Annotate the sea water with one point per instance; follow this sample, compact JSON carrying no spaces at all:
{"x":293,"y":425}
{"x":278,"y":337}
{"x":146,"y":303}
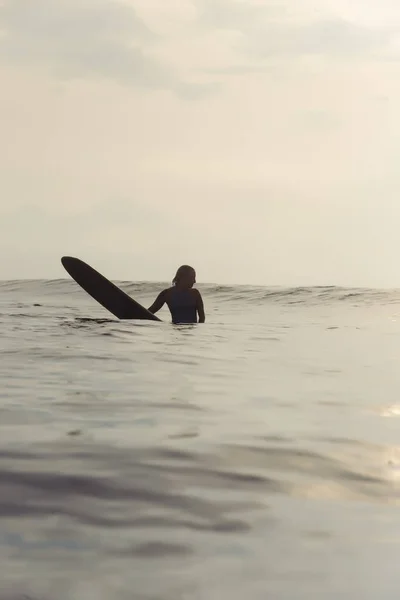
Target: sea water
{"x":254,"y":456}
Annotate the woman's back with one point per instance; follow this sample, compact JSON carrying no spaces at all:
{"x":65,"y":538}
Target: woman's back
{"x":182,"y":304}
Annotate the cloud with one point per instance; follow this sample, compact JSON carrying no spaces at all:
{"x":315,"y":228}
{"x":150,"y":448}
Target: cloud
{"x":109,"y":40}
{"x":232,"y":14}
{"x":278,"y":31}
{"x":79,"y":39}
{"x":332,"y":37}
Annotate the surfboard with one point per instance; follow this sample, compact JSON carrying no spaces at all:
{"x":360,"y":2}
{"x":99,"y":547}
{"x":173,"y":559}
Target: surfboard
{"x":104,"y":291}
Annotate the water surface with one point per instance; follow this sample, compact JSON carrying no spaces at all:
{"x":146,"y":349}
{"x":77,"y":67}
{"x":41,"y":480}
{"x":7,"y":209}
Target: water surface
{"x":255,"y":456}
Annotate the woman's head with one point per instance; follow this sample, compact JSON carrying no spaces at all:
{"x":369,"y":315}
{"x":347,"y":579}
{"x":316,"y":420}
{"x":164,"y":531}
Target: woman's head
{"x":185,"y":276}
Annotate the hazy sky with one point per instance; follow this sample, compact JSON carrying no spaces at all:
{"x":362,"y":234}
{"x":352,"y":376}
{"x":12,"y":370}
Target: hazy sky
{"x":258,"y":140}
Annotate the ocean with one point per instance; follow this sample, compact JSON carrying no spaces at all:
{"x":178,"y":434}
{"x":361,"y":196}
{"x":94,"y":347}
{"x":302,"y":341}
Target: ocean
{"x":256,"y":456}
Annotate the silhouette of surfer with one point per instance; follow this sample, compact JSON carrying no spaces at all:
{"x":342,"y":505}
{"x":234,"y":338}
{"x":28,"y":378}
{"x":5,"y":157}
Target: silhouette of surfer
{"x":184,"y":302}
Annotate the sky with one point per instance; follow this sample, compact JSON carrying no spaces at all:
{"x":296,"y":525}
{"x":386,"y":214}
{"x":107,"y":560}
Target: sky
{"x":257,"y":140}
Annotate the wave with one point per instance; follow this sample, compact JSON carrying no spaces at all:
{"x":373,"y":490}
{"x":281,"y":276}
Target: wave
{"x":231,"y":293}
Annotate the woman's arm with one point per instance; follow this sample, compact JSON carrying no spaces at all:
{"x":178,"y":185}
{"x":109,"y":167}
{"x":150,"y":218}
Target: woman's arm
{"x":158,"y":302}
{"x":200,"y":308}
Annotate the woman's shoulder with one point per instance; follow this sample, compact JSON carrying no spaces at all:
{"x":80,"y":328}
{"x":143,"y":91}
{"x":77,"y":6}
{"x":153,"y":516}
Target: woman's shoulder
{"x":166,"y":292}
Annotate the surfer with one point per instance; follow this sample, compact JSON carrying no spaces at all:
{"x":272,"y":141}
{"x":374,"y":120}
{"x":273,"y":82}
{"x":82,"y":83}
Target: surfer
{"x":184,"y":302}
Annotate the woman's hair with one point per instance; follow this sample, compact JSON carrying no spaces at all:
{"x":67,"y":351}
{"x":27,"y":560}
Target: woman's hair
{"x":181,"y":272}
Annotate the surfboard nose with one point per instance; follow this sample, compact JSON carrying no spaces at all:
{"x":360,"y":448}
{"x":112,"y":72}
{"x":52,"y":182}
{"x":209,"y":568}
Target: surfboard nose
{"x":104,"y":291}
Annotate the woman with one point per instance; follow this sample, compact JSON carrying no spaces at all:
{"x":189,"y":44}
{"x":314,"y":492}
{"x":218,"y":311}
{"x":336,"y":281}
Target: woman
{"x":184,"y":302}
